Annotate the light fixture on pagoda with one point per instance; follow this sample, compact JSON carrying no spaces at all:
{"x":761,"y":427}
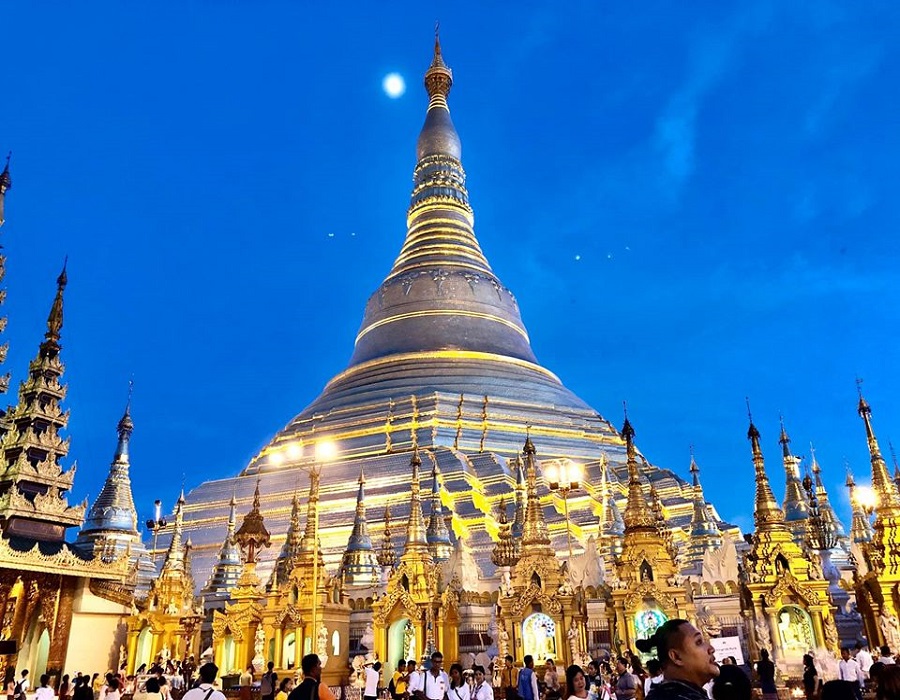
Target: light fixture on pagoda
{"x":155,"y":524}
{"x":564,"y":476}
{"x":867,"y":499}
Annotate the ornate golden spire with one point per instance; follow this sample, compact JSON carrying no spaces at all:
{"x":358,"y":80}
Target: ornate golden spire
{"x":885,"y":489}
{"x":175,"y":554}
{"x":612,"y":525}
{"x":767,"y":515}
{"x":50,"y":347}
{"x":861,"y":530}
{"x":416,"y":541}
{"x":309,"y":543}
{"x":252,"y":534}
{"x":438,"y":535}
{"x":535,"y":535}
{"x":829,"y":518}
{"x":387,"y":556}
{"x":360,"y":564}
{"x":796,"y":509}
{"x":637,"y":514}
{"x":504,"y":552}
{"x":32,"y":497}
{"x":289,"y":556}
{"x":705,"y":533}
{"x":5,"y":184}
{"x":438,"y":77}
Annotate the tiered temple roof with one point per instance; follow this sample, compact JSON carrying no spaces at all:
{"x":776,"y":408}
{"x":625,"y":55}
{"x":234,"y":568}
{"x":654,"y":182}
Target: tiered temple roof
{"x":33,"y":483}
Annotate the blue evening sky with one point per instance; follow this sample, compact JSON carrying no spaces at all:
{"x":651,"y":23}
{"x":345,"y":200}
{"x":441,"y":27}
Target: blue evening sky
{"x":693,"y":202}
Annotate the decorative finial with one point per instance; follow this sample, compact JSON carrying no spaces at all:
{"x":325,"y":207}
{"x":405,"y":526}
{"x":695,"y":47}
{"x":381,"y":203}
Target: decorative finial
{"x":5,"y":179}
{"x":438,"y":77}
{"x":126,"y":425}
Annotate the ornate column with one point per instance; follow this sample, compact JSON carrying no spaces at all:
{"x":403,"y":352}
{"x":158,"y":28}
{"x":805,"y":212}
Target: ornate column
{"x":279,"y":647}
{"x":59,"y":638}
{"x":132,"y":650}
{"x":818,"y":628}
{"x":776,"y":636}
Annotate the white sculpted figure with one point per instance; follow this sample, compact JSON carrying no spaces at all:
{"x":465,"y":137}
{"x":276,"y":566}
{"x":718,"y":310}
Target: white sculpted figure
{"x":574,"y":639}
{"x":259,"y":648}
{"x":763,"y":635}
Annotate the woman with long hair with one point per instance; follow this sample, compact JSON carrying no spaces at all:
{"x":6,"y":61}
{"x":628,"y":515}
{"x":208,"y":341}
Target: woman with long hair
{"x":459,"y":689}
{"x":687,"y":660}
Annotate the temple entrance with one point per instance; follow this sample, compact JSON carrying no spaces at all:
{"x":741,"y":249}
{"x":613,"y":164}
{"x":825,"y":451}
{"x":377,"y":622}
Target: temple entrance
{"x":401,"y":643}
{"x":795,"y":631}
{"x":228,"y":655}
{"x":539,"y":637}
{"x":289,"y":651}
{"x":35,"y":648}
{"x":142,"y":652}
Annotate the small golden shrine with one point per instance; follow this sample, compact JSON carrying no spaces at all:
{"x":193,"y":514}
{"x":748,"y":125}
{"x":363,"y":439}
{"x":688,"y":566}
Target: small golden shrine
{"x":785,"y":594}
{"x":646,"y":586}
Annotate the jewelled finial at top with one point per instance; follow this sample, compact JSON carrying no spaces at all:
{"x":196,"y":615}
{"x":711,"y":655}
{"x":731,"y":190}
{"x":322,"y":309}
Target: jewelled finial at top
{"x":438,"y":77}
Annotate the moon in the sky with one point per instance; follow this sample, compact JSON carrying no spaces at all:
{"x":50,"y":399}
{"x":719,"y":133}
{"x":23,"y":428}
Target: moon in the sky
{"x":394,"y":85}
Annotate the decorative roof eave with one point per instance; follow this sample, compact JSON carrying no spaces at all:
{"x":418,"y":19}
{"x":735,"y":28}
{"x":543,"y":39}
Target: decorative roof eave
{"x":65,"y":562}
{"x":48,"y":505}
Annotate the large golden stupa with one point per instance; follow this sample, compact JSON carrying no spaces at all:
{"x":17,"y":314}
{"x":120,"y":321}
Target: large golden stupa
{"x":443,"y":358}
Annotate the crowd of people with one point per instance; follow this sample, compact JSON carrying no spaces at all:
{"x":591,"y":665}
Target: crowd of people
{"x":683,"y":667}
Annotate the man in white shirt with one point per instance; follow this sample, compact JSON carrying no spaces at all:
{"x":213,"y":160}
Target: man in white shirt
{"x":25,"y":683}
{"x":886,"y":657}
{"x":849,"y":670}
{"x":373,"y":675}
{"x":432,"y":684}
{"x":864,"y":658}
{"x":206,"y":689}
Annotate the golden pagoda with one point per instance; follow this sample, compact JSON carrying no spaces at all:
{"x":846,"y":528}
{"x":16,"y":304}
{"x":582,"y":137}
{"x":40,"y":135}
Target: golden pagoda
{"x":791,"y":613}
{"x":877,"y":588}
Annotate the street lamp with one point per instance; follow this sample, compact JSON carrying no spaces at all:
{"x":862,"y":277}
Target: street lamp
{"x":155,"y":524}
{"x":564,"y":477}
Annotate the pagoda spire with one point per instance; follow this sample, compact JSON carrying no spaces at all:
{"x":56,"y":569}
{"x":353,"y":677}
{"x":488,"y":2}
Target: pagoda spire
{"x":826,"y":511}
{"x":290,"y":551}
{"x":227,"y":569}
{"x":441,"y":269}
{"x":766,"y":515}
{"x":416,"y":540}
{"x":637,"y":515}
{"x":896,"y":465}
{"x":309,"y":543}
{"x":612,"y":527}
{"x":174,"y":560}
{"x":114,"y":510}
{"x":33,"y":484}
{"x":861,"y":531}
{"x":504,"y":551}
{"x":387,"y":555}
{"x":360,"y":564}
{"x":5,"y":186}
{"x":252,"y":535}
{"x":518,"y":524}
{"x":438,"y":535}
{"x":796,"y":509}
{"x":705,"y":533}
{"x":535,"y":536}
{"x":888,"y":505}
